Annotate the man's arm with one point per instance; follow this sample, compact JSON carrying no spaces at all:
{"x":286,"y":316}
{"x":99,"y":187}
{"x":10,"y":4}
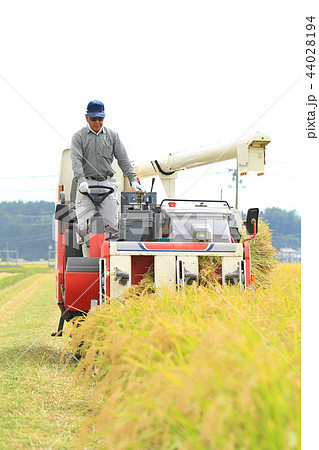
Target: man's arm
{"x":122,"y":158}
{"x":77,"y":158}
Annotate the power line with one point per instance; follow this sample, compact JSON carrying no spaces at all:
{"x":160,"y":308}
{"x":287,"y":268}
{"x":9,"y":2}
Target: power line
{"x":34,"y":109}
{"x":29,"y":240}
{"x":209,"y":174}
{"x":28,"y":176}
{"x":22,"y":192}
{"x":26,"y":225}
{"x":27,"y":215}
{"x":290,"y":163}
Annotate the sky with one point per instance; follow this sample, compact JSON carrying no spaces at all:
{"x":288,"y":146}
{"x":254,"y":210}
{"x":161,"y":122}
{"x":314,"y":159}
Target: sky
{"x":174,"y":76}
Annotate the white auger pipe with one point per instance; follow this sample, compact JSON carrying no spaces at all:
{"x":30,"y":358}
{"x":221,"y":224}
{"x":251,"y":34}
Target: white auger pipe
{"x":250,"y":152}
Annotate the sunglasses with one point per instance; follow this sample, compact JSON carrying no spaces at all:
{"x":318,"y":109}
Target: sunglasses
{"x":99,"y":119}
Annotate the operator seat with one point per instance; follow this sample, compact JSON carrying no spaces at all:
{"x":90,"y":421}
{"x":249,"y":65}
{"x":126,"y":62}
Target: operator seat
{"x":72,"y":248}
{"x":74,"y":187}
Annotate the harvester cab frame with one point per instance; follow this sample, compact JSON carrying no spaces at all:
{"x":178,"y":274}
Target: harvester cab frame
{"x":169,"y":236}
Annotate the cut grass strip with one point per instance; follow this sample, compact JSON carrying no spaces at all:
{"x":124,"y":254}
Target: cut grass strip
{"x":39,"y":405}
{"x":15,"y":274}
{"x":7,"y":274}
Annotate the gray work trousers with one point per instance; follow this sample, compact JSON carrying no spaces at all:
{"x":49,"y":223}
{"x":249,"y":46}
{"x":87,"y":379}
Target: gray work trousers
{"x":85,"y":209}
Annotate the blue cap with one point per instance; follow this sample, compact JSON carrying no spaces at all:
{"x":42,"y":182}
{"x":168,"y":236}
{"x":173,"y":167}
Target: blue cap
{"x":95,"y":109}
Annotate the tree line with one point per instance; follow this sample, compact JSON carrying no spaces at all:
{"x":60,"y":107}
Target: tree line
{"x":27,"y":228}
{"x":285,"y":226}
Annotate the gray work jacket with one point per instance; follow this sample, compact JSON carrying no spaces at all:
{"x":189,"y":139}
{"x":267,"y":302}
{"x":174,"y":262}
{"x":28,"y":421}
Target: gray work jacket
{"x":92,"y":154}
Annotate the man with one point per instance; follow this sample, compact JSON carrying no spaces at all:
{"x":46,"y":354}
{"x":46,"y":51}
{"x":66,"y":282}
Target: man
{"x":93,"y":149}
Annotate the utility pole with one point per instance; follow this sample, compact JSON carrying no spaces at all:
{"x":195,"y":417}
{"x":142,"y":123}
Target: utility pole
{"x":236,"y":175}
{"x":237,"y":183}
{"x":235,"y":178}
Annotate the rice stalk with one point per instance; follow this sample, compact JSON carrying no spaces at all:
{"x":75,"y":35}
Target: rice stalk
{"x":184,"y":370}
{"x":263,"y":254}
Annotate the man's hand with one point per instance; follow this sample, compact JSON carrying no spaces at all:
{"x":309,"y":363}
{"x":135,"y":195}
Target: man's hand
{"x":137,"y":187}
{"x":84,"y":187}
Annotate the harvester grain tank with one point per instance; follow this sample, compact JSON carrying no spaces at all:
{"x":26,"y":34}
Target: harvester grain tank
{"x":170,"y":235}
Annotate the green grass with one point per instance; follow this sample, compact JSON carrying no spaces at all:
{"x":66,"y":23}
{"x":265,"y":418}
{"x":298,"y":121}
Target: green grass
{"x":189,"y":370}
{"x":39,"y":405}
{"x":18,"y":273}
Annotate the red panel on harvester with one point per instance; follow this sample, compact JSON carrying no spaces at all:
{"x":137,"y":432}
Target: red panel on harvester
{"x":60,"y":255}
{"x":247,"y":262}
{"x":139,"y":265}
{"x":80,"y":289}
{"x":81,"y":283}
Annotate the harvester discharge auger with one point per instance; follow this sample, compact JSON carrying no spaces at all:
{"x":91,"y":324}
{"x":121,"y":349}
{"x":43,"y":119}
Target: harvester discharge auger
{"x":171,"y":235}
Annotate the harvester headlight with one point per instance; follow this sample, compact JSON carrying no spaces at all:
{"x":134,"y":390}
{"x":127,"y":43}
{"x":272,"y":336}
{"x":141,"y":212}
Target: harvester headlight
{"x":202,"y":232}
{"x":200,"y":236}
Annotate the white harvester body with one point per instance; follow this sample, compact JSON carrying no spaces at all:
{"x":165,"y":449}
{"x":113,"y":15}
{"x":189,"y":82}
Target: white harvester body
{"x":170,"y":236}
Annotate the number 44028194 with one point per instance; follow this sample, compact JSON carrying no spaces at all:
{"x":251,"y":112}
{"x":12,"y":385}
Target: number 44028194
{"x":310,"y":43}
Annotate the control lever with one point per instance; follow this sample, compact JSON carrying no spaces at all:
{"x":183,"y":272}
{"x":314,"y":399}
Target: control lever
{"x":140,"y":196}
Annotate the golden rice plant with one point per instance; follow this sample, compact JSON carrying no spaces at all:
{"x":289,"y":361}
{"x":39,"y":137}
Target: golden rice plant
{"x":263,"y":260}
{"x":145,"y":286}
{"x":201,"y":368}
{"x":262,"y":253}
{"x":209,"y":270}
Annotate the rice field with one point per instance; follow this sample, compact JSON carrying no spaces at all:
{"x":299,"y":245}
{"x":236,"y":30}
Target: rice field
{"x":7,"y":274}
{"x":203,"y":368}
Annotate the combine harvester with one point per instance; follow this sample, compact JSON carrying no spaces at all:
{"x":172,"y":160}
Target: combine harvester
{"x":170,"y":235}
